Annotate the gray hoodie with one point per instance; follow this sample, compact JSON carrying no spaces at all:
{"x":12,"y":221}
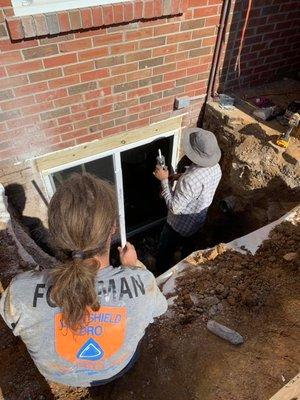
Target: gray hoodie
{"x":129,"y":298}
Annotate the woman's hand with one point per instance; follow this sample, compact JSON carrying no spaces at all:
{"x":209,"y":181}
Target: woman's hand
{"x":128,"y":256}
{"x":161,"y":173}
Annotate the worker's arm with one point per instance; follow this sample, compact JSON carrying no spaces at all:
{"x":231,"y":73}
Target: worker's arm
{"x":178,"y":200}
{"x":9,"y":310}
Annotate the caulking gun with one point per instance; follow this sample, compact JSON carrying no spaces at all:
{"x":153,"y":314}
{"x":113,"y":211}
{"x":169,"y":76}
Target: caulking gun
{"x":160,"y":160}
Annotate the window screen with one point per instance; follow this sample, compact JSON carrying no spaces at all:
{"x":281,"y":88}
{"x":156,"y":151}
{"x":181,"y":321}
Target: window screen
{"x":143,"y":204}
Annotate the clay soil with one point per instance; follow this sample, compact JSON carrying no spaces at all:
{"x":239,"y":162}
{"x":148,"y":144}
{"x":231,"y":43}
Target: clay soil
{"x":256,"y":295}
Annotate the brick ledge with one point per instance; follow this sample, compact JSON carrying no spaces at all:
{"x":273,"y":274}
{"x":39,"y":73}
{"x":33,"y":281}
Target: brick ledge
{"x":92,"y":17}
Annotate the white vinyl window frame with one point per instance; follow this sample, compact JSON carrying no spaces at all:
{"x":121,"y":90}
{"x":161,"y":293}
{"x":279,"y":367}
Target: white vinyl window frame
{"x":31,"y":7}
{"x":116,"y":155}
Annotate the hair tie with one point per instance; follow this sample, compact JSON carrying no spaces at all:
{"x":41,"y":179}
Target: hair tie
{"x":78,"y":254}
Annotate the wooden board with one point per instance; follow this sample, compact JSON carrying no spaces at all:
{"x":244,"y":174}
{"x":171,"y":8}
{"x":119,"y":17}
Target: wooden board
{"x":65,"y":156}
{"x":291,"y":391}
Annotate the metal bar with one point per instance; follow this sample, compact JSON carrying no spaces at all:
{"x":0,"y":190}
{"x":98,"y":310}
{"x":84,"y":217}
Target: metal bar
{"x":120,"y":196}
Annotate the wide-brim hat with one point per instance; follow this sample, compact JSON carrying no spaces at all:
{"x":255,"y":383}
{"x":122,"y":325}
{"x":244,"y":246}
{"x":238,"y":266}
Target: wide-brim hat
{"x":201,"y":147}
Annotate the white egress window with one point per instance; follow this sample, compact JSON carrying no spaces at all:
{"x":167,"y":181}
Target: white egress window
{"x":30,"y":7}
{"x":130,"y":170}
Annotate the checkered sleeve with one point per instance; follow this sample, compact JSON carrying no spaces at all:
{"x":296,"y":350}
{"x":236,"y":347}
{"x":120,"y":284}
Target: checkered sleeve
{"x":177,"y":201}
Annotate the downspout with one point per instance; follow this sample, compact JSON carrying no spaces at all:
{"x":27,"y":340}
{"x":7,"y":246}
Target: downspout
{"x":217,"y":54}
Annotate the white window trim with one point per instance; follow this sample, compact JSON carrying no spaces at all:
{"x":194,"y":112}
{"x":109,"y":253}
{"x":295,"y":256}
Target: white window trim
{"x":116,"y":154}
{"x":31,"y":7}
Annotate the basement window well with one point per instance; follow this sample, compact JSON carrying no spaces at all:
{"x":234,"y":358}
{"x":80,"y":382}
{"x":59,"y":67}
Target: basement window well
{"x":130,"y":168}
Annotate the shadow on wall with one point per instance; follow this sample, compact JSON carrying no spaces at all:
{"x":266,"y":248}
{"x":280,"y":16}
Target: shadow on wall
{"x":268,"y":52}
{"x":16,"y":198}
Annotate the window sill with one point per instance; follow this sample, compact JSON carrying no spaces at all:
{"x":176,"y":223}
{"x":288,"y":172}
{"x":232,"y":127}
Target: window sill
{"x":93,"y":17}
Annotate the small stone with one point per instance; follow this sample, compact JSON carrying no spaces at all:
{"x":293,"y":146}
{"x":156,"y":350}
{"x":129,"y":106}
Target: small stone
{"x":290,"y":256}
{"x":210,"y":301}
{"x":220,"y":288}
{"x":225,"y":333}
{"x":231,"y":300}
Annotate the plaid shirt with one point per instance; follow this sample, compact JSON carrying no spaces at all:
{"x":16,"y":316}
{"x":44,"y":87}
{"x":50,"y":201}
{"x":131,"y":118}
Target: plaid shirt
{"x":189,"y":202}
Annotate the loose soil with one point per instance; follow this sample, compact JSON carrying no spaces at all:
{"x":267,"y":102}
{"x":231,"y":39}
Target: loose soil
{"x":258,"y":296}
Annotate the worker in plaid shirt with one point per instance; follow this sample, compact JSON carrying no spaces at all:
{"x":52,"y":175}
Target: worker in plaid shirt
{"x":188,"y":203}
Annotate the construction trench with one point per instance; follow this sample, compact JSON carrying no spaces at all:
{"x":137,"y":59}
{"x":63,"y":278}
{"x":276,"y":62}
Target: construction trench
{"x":247,"y":280}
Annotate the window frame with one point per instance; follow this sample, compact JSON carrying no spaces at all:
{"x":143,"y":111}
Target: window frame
{"x":116,"y":155}
{"x":48,"y":6}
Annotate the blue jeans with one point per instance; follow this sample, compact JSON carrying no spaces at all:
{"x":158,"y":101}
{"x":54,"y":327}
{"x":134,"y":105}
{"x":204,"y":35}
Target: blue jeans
{"x":121,"y":373}
{"x":169,"y":242}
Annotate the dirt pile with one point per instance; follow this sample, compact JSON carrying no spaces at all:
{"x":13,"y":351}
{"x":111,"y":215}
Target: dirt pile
{"x":221,"y":278}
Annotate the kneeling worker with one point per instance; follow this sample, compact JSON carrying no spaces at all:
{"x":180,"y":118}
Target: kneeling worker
{"x":82,"y":321}
{"x":188,"y":203}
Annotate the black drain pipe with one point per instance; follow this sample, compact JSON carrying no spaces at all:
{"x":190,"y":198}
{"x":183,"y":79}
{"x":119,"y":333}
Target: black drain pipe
{"x":217,"y":53}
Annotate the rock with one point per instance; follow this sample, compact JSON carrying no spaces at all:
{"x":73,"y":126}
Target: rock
{"x":220,"y":288}
{"x":210,"y":301}
{"x":225,"y":333}
{"x":195,"y":299}
{"x":231,"y":300}
{"x":290,"y":256}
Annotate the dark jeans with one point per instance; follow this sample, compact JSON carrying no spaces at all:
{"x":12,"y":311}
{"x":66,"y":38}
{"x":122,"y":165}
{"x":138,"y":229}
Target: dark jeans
{"x":169,"y":242}
{"x":121,"y":373}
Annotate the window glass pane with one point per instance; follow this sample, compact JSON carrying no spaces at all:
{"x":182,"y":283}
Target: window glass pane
{"x":102,"y":168}
{"x":143,"y":204}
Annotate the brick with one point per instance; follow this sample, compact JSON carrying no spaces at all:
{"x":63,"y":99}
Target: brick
{"x":124,"y":68}
{"x":75,"y":45}
{"x":173,"y":92}
{"x":151,"y":97}
{"x":94,"y":75}
{"x":55,"y":113}
{"x":193,"y":44}
{"x":109,"y":62}
{"x":136,"y":75}
{"x":78,"y":68}
{"x":125,"y":104}
{"x":24,"y":67}
{"x":167,"y":7}
{"x":67,"y":101}
{"x":58,"y":130}
{"x":141,"y":55}
{"x":6,"y":94}
{"x":10,"y":58}
{"x":86,"y":18}
{"x":87,"y":122}
{"x":138,"y":10}
{"x":148,"y":10}
{"x":31,"y":89}
{"x":92,"y":54}
{"x":45,"y":75}
{"x":150,"y":43}
{"x":118,"y":13}
{"x":75,"y":20}
{"x":97,"y":16}
{"x":138,"y":108}
{"x":64,"y":21}
{"x":2,"y":72}
{"x":192,"y":24}
{"x":15,"y":28}
{"x":108,"y":15}
{"x":60,"y":60}
{"x":36,"y":108}
{"x":114,"y":131}
{"x":205,"y":32}
{"x":167,"y":28}
{"x":40,"y":51}
{"x":115,"y":80}
{"x":51,"y":95}
{"x":107,"y":39}
{"x":28,"y":26}
{"x":139,"y":34}
{"x":174,"y":75}
{"x":150,"y":81}
{"x":13,"y":82}
{"x":125,"y":87}
{"x":206,"y":11}
{"x":151,"y":62}
{"x":41,"y":26}
{"x":84,"y":87}
{"x":199,"y":52}
{"x":7,"y":115}
{"x":128,"y":11}
{"x":179,"y":37}
{"x":71,"y":118}
{"x":84,"y":106}
{"x":21,"y":122}
{"x":138,"y":123}
{"x":158,"y":8}
{"x":164,"y":50}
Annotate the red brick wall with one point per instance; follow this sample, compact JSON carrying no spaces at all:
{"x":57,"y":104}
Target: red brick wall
{"x":271,"y":46}
{"x":72,"y":88}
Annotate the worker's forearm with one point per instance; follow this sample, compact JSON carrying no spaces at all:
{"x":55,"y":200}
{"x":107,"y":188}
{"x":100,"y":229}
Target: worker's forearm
{"x":166,"y":192}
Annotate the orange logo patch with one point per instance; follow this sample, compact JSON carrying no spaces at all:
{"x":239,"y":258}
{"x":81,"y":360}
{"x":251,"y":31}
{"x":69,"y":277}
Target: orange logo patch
{"x":96,"y":342}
